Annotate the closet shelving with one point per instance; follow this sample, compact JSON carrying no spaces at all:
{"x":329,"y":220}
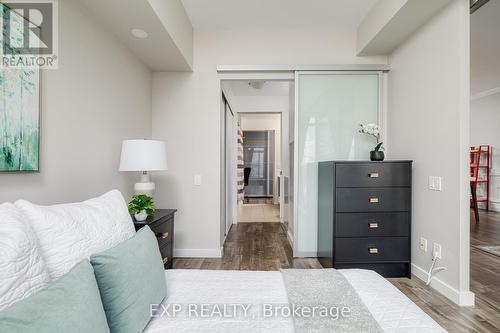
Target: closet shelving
{"x":480,"y":165}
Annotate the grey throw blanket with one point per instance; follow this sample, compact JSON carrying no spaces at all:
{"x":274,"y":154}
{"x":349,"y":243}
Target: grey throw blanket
{"x":326,"y":292}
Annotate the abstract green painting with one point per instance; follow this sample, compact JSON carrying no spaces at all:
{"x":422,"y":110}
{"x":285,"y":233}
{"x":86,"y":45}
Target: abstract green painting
{"x":19,"y":117}
{"x":19,"y":120}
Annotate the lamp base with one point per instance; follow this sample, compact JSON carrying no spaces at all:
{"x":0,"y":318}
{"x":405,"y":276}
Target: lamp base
{"x":145,"y":186}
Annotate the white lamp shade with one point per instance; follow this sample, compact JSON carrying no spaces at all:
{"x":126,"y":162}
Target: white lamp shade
{"x":143,"y":155}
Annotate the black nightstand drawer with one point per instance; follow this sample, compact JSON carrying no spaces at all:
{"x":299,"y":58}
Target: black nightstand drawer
{"x":372,"y":224}
{"x":162,"y":225}
{"x":373,"y":175}
{"x":166,"y":255}
{"x":367,"y":250}
{"x":372,"y":200}
{"x":163,"y":230}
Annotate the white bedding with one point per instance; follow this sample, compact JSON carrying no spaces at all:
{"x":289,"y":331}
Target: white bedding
{"x":391,"y":308}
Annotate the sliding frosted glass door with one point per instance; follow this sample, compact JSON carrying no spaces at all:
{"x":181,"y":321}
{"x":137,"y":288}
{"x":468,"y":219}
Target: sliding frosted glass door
{"x":330,"y":108}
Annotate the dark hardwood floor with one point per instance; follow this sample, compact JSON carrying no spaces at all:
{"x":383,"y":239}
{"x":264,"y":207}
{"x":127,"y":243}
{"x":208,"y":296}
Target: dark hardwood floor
{"x":264,"y":246}
{"x":253,"y":246}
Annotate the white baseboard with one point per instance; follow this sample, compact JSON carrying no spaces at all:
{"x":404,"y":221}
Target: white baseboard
{"x":462,"y":298}
{"x":198,"y":253}
{"x":495,"y":206}
{"x":306,"y":254}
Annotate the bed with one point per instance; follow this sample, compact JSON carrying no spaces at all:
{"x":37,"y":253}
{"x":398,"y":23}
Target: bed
{"x":391,"y":309}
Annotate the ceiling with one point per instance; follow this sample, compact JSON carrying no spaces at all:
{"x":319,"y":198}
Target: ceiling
{"x":267,"y":88}
{"x":485,"y":48}
{"x":159,"y":51}
{"x":227,"y":14}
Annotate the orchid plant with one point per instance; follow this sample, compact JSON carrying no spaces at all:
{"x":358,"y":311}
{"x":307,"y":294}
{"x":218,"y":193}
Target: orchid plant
{"x":372,"y":130}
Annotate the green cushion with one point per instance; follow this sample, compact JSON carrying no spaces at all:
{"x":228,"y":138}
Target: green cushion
{"x":70,"y":304}
{"x":130,"y":277}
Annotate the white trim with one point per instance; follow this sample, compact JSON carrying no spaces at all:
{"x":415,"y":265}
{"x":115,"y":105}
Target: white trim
{"x":268,"y":76}
{"x":495,"y":205}
{"x":462,"y":298}
{"x":290,"y":237}
{"x":306,"y":254}
{"x":485,"y":93}
{"x":295,"y":242}
{"x":198,"y":253}
{"x":292,"y":68}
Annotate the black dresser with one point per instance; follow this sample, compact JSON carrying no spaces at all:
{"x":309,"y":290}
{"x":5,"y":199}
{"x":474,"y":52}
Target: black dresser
{"x":364,"y":216}
{"x":162,"y":224}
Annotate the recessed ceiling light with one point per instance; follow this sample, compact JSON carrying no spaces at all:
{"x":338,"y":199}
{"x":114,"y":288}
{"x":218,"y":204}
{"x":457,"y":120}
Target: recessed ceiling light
{"x":257,"y":84}
{"x":139,"y":33}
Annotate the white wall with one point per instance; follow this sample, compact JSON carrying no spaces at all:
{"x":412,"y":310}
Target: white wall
{"x":484,"y":129}
{"x":186,"y":114}
{"x":428,"y":123}
{"x":99,"y":96}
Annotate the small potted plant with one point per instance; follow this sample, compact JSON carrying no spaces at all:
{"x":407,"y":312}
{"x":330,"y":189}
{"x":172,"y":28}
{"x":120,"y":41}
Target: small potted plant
{"x":141,"y":206}
{"x":377,"y":153}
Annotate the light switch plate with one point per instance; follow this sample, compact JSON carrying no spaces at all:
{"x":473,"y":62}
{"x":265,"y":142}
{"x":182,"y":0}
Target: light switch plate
{"x":197,"y":180}
{"x":435,"y":183}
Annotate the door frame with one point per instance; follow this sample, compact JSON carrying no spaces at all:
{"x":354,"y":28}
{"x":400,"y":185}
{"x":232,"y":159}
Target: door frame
{"x":238,"y":75}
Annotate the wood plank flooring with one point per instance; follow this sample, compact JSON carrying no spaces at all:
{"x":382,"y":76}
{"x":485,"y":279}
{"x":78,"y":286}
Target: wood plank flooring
{"x":258,"y":213}
{"x":264,"y":246}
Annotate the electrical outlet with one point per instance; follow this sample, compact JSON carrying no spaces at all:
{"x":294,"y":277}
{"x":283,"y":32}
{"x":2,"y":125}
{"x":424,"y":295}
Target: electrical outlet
{"x":436,"y":250}
{"x":435,"y":183}
{"x":423,"y":244}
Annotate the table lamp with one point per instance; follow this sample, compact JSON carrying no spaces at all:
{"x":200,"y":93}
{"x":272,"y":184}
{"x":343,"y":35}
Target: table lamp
{"x":143,"y":156}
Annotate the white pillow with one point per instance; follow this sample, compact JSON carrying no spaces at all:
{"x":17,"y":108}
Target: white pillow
{"x":69,"y":233}
{"x":22,"y":269}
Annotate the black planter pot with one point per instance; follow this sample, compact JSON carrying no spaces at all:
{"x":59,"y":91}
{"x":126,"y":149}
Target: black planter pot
{"x":377,"y":155}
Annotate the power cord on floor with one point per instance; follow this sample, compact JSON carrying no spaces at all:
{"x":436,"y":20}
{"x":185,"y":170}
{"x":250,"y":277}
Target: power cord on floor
{"x":432,"y":270}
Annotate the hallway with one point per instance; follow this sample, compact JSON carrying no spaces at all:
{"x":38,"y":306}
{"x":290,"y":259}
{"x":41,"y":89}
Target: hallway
{"x":258,"y":213}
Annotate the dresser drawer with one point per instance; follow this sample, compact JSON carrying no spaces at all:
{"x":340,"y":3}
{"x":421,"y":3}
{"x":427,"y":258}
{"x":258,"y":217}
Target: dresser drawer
{"x":372,"y":224}
{"x":387,"y":270}
{"x":373,"y":175}
{"x":377,"y":249}
{"x":372,"y":200}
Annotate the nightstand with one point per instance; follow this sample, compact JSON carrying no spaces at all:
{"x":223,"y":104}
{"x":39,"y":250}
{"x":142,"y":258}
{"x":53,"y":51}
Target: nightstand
{"x":162,"y":224}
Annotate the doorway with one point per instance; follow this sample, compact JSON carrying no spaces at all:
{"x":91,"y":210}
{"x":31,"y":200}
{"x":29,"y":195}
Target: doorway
{"x":258,"y":163}
{"x":484,"y":154}
{"x":261,"y":146}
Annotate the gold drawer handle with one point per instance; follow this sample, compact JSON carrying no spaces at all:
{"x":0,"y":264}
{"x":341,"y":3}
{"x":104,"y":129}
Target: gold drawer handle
{"x":372,"y":250}
{"x":163,"y":235}
{"x":165,"y":260}
{"x":373,"y":225}
{"x":373,"y":175}
{"x":373,"y":200}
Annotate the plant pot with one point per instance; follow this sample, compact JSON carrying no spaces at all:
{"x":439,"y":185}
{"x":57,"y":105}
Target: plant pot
{"x":377,"y":155}
{"x":141,"y":216}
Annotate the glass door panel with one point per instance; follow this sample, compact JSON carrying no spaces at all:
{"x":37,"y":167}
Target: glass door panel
{"x":331,"y":106}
